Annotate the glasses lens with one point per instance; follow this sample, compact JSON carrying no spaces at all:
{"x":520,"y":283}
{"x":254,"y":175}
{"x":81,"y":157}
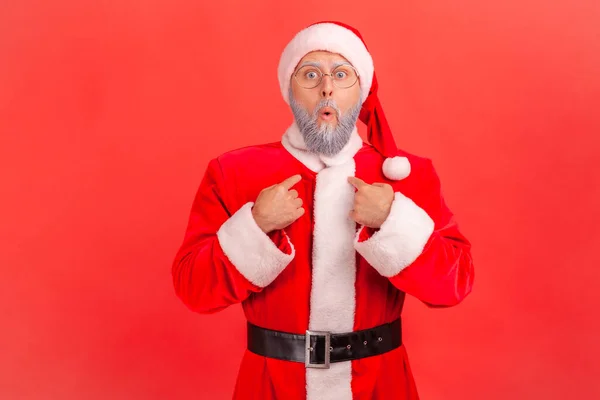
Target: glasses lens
{"x":308,"y":76}
{"x":344,"y":76}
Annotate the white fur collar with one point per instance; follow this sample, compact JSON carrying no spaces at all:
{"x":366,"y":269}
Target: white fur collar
{"x":293,"y":141}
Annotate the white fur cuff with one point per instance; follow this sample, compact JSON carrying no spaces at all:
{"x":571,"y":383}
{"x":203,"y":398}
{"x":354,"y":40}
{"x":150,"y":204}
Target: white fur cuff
{"x":250,"y":250}
{"x":400,"y":240}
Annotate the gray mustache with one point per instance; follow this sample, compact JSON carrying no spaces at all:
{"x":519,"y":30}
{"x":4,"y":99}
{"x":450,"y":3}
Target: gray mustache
{"x":326,"y":103}
{"x":324,"y":139}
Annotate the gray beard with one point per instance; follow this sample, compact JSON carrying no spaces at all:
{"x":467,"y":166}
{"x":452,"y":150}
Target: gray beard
{"x":326,"y":139}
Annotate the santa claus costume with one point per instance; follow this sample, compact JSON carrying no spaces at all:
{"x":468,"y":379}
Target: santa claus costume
{"x":324,"y":273}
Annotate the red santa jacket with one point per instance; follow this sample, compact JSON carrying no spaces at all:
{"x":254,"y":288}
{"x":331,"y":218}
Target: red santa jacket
{"x":322,"y":272}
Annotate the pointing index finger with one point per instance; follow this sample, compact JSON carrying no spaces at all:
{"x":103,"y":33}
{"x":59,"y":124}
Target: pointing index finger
{"x":357,"y":182}
{"x":291,"y":181}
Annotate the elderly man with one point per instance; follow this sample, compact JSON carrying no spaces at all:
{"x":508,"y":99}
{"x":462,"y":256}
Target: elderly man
{"x":321,"y":236}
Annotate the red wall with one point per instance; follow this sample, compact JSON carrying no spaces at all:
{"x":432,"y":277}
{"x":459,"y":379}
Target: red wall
{"x":110,"y":111}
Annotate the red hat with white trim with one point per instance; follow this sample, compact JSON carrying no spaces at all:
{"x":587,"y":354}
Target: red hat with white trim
{"x":345,"y":40}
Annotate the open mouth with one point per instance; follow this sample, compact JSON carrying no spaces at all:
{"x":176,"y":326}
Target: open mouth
{"x":327,"y":113}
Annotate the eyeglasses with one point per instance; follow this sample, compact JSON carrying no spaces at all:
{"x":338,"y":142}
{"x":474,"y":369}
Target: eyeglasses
{"x":343,"y":76}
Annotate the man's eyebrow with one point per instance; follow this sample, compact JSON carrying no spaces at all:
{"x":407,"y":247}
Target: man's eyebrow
{"x":319,"y":65}
{"x":311,"y":63}
{"x":339,"y":63}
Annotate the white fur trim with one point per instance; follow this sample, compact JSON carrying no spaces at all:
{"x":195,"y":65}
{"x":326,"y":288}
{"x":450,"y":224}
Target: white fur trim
{"x":250,"y":250}
{"x":396,"y":168}
{"x":293,"y":141}
{"x":347,"y":153}
{"x":332,"y":297}
{"x":400,"y":239}
{"x":328,"y":37}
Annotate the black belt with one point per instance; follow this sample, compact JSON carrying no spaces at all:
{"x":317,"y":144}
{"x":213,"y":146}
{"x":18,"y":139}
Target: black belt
{"x":318,"y":349}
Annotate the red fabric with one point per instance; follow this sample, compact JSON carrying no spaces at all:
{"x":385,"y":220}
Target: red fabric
{"x":281,"y":241}
{"x":207,"y":282}
{"x":379,"y":133}
{"x":366,"y":233}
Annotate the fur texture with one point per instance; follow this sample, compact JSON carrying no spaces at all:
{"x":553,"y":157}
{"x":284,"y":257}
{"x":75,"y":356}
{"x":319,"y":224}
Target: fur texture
{"x":396,"y":168}
{"x":332,"y":298}
{"x":400,"y":240}
{"x":251,"y":251}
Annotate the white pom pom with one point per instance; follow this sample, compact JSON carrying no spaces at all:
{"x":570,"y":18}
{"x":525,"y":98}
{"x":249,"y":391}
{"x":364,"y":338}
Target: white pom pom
{"x":396,"y":168}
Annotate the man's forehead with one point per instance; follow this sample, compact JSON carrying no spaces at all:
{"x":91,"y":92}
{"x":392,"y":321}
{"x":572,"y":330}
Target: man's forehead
{"x":323,"y":57}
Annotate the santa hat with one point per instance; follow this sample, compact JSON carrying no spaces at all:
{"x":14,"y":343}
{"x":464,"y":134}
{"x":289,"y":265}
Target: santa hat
{"x":345,"y":40}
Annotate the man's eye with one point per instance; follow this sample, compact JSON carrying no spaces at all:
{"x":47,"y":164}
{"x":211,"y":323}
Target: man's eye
{"x":311,"y":75}
{"x":340,"y":74}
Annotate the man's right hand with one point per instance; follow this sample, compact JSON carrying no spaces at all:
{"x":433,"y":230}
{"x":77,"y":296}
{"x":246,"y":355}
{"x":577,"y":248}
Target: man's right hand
{"x":277,"y":206}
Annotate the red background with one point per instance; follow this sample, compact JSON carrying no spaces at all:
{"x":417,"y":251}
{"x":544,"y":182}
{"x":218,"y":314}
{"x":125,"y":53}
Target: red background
{"x":110,"y":111}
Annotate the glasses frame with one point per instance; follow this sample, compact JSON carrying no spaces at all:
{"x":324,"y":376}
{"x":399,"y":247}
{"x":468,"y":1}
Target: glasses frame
{"x":324,"y":74}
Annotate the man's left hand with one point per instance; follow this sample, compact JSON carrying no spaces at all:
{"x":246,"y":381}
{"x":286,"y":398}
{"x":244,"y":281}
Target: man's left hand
{"x":372,"y":203}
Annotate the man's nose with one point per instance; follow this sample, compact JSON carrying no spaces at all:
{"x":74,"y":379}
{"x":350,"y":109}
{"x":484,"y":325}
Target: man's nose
{"x":327,"y":86}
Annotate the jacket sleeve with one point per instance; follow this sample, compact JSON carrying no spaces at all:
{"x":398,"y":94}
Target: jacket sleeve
{"x":420,"y":248}
{"x":225,"y":257}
